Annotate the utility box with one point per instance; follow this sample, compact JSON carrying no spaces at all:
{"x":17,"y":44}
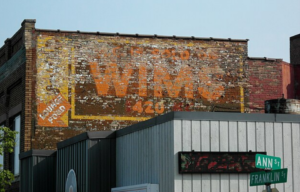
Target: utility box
{"x":137,"y":188}
{"x":284,"y":106}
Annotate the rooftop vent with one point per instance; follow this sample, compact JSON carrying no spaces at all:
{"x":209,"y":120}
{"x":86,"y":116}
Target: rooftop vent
{"x":282,"y":105}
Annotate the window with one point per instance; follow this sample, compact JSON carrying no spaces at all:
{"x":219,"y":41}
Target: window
{"x":17,"y":127}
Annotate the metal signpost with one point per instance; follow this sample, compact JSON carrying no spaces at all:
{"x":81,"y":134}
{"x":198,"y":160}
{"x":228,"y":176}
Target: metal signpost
{"x":272,"y":174}
{"x":273,"y":190}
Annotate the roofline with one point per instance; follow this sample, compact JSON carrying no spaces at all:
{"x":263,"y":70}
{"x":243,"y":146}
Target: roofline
{"x":208,"y":116}
{"x":36,"y":152}
{"x":295,"y":37}
{"x":85,"y":136}
{"x":145,"y":35}
{"x":265,"y":58}
{"x":12,"y":37}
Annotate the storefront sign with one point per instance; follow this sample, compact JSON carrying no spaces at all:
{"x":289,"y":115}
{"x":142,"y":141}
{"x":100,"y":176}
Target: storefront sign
{"x":217,"y":162}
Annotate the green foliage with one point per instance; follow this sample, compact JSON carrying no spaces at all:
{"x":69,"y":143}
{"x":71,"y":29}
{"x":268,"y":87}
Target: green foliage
{"x":7,"y":139}
{"x":6,"y":177}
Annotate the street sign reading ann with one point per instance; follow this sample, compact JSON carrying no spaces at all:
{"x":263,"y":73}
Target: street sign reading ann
{"x":267,"y":162}
{"x":268,"y":177}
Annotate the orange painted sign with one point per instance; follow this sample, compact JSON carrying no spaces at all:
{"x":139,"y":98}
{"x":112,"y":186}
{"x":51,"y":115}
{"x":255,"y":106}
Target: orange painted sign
{"x":50,"y":114}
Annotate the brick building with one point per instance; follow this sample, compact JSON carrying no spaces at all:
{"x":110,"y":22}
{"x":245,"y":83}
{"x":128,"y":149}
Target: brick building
{"x":57,"y":84}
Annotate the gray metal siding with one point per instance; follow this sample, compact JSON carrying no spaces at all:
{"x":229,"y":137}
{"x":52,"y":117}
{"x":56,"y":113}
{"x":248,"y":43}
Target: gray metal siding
{"x":73,"y":157}
{"x":146,"y":156}
{"x":277,"y":139}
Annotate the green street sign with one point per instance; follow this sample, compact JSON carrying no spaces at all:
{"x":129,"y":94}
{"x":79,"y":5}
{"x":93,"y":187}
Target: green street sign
{"x":267,"y":162}
{"x":268,"y":177}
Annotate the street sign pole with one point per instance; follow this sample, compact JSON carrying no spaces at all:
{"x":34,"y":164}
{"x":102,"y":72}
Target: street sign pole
{"x":268,"y":188}
{"x":268,"y":185}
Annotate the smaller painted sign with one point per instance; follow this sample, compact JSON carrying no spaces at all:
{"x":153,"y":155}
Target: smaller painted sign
{"x":50,"y":114}
{"x":217,"y":162}
{"x":267,"y":162}
{"x":268,"y":177}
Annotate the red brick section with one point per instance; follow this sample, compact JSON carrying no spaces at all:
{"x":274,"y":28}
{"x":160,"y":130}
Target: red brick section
{"x":15,"y":187}
{"x":265,"y":79}
{"x":29,"y":26}
{"x":288,"y":88}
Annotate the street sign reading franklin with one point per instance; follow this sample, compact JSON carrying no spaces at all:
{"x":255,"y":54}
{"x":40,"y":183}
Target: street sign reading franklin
{"x":269,"y":177}
{"x":267,"y":162}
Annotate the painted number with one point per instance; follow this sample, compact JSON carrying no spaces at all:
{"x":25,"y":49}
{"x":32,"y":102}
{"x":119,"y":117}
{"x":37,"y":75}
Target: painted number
{"x":138,"y":107}
{"x":148,"y":105}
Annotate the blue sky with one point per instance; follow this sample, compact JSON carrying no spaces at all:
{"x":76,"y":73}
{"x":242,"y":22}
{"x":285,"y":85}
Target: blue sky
{"x":268,"y":24}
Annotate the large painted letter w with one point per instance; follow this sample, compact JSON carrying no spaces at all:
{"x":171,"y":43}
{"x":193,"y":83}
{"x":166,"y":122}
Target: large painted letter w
{"x":111,"y":76}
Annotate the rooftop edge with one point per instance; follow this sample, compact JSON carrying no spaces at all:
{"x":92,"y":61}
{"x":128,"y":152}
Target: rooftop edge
{"x":208,"y":116}
{"x":144,"y":35}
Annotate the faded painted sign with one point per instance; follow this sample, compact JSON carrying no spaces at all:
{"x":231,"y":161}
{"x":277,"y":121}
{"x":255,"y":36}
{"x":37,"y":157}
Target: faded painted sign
{"x":114,"y":81}
{"x":50,"y":114}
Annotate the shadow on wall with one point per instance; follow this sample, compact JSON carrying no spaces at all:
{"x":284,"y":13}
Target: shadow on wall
{"x":288,"y":82}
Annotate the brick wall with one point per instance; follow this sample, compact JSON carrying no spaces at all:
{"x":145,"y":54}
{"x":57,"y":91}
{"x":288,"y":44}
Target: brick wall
{"x":14,"y":187}
{"x":12,"y":90}
{"x":89,"y":82}
{"x":288,"y":81}
{"x":265,"y":83}
{"x":30,"y":73}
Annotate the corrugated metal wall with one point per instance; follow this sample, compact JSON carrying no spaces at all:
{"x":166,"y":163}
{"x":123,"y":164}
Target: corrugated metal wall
{"x":102,"y":165}
{"x":26,"y":174}
{"x":38,"y":174}
{"x":277,"y":139}
{"x":146,"y":156}
{"x":72,"y":157}
{"x":93,"y":162}
{"x":151,"y":155}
